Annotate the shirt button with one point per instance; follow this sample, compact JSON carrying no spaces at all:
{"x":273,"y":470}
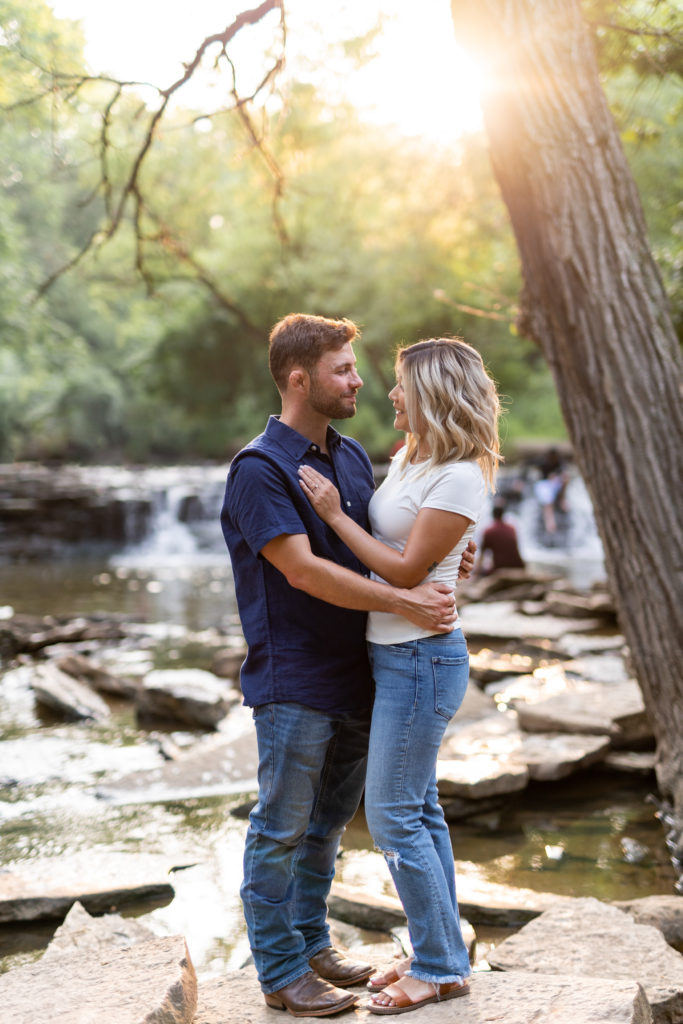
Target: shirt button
{"x":348,"y":504}
{"x":314,"y":447}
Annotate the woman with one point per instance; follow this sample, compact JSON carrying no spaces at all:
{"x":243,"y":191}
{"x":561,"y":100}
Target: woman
{"x":422,"y":518}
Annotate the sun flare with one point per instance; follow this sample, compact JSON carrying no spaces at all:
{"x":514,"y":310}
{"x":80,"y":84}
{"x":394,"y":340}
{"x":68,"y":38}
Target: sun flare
{"x":417,"y":79}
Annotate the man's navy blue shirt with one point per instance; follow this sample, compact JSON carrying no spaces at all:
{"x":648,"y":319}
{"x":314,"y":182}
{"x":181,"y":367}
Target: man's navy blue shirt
{"x":300,"y":649}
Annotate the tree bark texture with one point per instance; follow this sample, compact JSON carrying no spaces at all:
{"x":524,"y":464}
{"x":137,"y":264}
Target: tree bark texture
{"x":594,"y":302}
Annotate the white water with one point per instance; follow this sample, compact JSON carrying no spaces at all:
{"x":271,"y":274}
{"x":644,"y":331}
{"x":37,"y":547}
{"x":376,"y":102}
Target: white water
{"x":172,"y":543}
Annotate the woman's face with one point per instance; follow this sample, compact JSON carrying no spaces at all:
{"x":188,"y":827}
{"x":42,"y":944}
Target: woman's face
{"x":398,"y":400}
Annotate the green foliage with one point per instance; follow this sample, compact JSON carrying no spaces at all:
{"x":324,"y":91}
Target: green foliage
{"x":408,"y":241}
{"x":643,"y":36}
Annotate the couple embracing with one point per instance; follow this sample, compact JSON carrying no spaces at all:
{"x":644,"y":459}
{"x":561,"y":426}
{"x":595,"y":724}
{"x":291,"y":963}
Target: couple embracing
{"x":356,"y":662}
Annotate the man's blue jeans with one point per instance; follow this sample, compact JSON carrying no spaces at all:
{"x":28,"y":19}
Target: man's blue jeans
{"x":311,"y":776}
{"x":419,"y":685}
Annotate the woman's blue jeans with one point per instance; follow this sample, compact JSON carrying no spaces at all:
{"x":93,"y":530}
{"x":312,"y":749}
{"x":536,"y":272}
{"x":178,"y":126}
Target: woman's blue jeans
{"x":419,"y":687}
{"x":311,"y":775}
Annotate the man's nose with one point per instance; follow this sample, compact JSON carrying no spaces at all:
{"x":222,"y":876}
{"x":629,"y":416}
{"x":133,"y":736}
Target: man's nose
{"x":357,"y":380}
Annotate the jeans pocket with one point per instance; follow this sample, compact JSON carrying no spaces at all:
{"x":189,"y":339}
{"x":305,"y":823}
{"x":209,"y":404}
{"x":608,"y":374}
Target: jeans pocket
{"x":451,"y":676}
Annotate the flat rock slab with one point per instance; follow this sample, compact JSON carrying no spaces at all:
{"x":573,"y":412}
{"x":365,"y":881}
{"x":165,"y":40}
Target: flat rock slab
{"x":379,"y":913}
{"x":550,"y":756}
{"x":599,"y":668}
{"x":153,"y":982}
{"x":479,"y":901}
{"x":499,"y":998}
{"x":616,"y":710}
{"x":365,"y":909}
{"x":220,"y":765}
{"x":487,"y":666}
{"x":546,"y":756}
{"x":580,"y":605}
{"x":576,"y":645}
{"x":479,"y":776}
{"x":631,"y":762}
{"x":588,"y":938}
{"x":48,"y":887}
{"x":545,"y":681}
{"x":501,"y":620}
{"x":66,"y":695}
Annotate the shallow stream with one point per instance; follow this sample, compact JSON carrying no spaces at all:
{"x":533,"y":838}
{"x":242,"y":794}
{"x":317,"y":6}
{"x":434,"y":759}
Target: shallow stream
{"x":577,"y":837}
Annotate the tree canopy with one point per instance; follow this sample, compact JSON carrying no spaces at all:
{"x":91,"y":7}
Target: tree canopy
{"x":152,"y":343}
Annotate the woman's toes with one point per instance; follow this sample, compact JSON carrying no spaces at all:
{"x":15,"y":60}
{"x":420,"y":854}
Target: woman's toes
{"x":386,"y":996}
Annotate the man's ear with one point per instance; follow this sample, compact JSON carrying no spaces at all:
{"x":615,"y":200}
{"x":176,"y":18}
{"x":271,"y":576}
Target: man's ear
{"x":298,"y":379}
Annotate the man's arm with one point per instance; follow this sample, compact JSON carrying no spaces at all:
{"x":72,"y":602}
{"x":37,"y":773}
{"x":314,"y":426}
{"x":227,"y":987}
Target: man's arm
{"x":467,"y":561}
{"x":431,"y":606}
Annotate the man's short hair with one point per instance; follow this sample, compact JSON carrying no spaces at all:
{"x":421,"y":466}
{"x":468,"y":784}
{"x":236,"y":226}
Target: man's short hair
{"x":300,"y":339}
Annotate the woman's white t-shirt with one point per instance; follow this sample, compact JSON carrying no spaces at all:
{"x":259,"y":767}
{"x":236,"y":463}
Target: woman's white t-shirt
{"x":453,"y":487}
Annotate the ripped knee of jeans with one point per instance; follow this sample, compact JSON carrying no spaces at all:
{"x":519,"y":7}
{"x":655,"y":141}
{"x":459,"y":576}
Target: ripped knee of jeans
{"x":391,"y":856}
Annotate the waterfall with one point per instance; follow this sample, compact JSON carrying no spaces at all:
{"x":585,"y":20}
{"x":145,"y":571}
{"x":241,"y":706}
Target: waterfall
{"x":183,"y":526}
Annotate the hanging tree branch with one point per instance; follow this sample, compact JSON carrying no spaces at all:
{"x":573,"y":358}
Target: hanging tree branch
{"x":116,"y":201}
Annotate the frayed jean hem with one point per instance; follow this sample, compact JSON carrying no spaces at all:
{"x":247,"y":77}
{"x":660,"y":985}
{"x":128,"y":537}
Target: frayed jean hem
{"x":443,"y":979}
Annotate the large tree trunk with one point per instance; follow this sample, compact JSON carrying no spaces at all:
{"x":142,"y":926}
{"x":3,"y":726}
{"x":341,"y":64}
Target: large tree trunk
{"x":594,"y":302}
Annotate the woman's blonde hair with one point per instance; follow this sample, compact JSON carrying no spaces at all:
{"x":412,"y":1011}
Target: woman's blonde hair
{"x":451,"y":403}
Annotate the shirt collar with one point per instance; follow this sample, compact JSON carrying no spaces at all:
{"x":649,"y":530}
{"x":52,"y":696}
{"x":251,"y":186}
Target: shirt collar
{"x":294,"y":442}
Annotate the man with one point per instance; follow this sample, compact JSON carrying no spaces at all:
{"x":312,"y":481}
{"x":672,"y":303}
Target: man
{"x":302,"y":597}
{"x":500,"y":541}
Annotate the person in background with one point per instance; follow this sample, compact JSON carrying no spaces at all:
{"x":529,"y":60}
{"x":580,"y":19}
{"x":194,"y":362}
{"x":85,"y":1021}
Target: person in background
{"x":550,"y":490}
{"x":303,"y":597}
{"x":499,"y":547}
{"x":422,"y":517}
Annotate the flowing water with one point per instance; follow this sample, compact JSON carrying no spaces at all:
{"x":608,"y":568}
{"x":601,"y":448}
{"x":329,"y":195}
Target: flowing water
{"x":594,"y":834}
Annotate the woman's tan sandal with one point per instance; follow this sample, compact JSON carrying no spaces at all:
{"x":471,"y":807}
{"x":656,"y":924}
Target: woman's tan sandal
{"x":402,"y":1003}
{"x":388,"y":977}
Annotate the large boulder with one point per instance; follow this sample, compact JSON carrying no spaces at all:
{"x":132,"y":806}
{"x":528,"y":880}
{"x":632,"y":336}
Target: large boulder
{"x":590,"y":939}
{"x":81,"y":931}
{"x":191,"y":696}
{"x":153,"y":982}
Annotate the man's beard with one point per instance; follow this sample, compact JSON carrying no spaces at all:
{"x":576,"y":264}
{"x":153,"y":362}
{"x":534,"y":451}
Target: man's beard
{"x":328,"y":405}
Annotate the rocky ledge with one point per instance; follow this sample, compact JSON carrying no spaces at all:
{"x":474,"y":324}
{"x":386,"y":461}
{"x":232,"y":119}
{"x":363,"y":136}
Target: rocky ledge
{"x":581,"y":962}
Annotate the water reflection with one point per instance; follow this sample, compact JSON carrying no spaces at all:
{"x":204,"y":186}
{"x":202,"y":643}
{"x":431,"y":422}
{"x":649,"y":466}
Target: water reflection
{"x":194,"y":597}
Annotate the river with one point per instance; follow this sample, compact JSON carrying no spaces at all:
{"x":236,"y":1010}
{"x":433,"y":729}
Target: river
{"x":179,"y":581}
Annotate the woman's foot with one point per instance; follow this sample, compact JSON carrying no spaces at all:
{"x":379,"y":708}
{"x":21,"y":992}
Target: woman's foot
{"x":410,"y":993}
{"x":381,"y":979}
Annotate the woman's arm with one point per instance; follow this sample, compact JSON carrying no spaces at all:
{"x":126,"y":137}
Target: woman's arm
{"x":433,"y":535}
